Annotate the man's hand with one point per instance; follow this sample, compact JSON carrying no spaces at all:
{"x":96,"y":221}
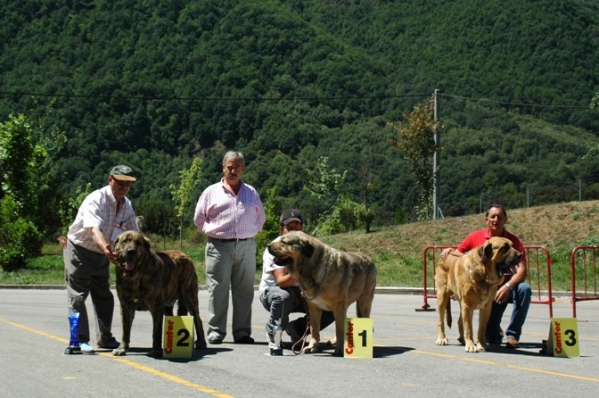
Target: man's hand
{"x":112,"y":256}
{"x":503,"y":294}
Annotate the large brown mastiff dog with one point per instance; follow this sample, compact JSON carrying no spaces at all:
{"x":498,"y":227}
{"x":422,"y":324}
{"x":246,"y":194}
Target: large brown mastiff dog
{"x":473,"y":279}
{"x":330,"y":280}
{"x":150,"y":281}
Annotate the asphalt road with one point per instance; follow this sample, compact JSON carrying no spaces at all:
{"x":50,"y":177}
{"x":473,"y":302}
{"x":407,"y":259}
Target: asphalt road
{"x":34,"y":334}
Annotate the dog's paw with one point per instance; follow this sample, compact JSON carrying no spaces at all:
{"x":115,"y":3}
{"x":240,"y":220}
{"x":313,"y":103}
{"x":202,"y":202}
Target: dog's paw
{"x":470,"y":347}
{"x":119,"y":352}
{"x":482,"y":347}
{"x":442,"y":341}
{"x":313,"y":347}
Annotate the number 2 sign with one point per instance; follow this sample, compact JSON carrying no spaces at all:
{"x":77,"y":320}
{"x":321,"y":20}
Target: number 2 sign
{"x":357,"y":338}
{"x":178,"y":337}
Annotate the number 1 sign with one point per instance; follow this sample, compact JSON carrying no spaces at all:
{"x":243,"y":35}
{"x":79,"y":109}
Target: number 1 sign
{"x":358,"y":338}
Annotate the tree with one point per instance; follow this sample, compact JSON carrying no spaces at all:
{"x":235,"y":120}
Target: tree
{"x":325,"y":184}
{"x":341,"y":214}
{"x":416,"y":140}
{"x":190,"y":179}
{"x":26,"y":155}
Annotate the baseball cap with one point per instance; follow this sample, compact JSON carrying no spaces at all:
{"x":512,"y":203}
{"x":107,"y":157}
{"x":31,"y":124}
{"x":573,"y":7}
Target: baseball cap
{"x":122,"y":173}
{"x":291,"y":215}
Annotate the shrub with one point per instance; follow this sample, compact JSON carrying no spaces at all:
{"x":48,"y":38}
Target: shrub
{"x":19,"y":241}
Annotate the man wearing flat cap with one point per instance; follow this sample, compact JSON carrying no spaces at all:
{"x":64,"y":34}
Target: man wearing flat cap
{"x":103,"y":215}
{"x":280,"y":293}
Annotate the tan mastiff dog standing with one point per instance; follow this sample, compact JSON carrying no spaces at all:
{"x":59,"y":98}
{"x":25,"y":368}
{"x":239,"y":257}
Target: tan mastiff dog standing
{"x":330,"y":280}
{"x":473,"y":280}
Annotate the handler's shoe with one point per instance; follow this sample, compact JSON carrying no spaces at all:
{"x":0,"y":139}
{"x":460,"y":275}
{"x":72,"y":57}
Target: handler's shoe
{"x":112,"y":344}
{"x":215,"y":338}
{"x":511,"y":342}
{"x":86,"y":348}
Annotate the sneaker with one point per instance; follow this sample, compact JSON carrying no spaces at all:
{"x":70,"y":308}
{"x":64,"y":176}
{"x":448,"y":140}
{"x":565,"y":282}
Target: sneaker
{"x":215,"y":338}
{"x":111,"y":345}
{"x":245,"y":340}
{"x":290,"y":330}
{"x":86,"y":348}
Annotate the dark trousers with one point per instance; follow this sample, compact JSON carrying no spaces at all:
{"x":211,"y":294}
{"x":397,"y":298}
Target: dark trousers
{"x":87,"y":273}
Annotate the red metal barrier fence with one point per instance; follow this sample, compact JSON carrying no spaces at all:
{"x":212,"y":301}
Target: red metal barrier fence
{"x":539,"y":274}
{"x":584,"y":259}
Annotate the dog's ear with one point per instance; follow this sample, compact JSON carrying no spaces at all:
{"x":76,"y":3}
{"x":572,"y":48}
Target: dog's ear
{"x":307,"y":249}
{"x":485,"y":252}
{"x":146,"y":242}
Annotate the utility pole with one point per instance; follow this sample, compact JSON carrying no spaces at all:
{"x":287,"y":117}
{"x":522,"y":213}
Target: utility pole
{"x":436,"y":161}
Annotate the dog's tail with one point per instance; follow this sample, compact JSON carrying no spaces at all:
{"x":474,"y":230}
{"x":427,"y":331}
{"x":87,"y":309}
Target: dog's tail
{"x":448,"y":319}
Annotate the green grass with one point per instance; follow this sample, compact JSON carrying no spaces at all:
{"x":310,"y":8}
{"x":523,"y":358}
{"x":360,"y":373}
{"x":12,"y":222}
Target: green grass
{"x":397,"y":251}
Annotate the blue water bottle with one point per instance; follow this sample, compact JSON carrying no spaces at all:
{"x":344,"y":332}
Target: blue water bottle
{"x":74,"y":343}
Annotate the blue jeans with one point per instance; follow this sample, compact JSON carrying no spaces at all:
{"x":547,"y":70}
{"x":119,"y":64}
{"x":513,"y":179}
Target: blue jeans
{"x":520,"y":297}
{"x":282,"y":302}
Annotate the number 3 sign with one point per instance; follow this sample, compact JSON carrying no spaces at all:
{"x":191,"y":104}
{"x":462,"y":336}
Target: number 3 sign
{"x":563,"y":338}
{"x":178,"y":337}
{"x":358,"y":338}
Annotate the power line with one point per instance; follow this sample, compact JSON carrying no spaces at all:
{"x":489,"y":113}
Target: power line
{"x":276,"y":99}
{"x":522,"y":104}
{"x":249,"y":99}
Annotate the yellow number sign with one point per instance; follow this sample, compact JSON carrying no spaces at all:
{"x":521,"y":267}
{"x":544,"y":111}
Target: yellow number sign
{"x":178,"y":337}
{"x":358,"y":338}
{"x":563,"y":338}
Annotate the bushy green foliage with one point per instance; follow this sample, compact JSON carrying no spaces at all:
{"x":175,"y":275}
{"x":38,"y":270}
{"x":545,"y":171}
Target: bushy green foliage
{"x":19,"y":238}
{"x":346,"y":216}
{"x":25,"y":157}
{"x":270,"y":230}
{"x":69,"y":211}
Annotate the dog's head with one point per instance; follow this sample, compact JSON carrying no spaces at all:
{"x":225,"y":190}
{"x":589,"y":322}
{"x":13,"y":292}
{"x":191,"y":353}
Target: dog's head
{"x":500,"y":254}
{"x":290,"y":249}
{"x":130,"y":247}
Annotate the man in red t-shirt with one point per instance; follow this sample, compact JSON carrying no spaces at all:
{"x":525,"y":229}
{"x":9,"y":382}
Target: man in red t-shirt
{"x":513,"y":289}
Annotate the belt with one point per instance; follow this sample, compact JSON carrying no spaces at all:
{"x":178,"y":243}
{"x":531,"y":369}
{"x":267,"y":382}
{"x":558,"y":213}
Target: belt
{"x":230,"y":240}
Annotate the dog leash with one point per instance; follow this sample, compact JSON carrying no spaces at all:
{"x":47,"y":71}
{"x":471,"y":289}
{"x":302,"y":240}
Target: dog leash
{"x":302,"y":341}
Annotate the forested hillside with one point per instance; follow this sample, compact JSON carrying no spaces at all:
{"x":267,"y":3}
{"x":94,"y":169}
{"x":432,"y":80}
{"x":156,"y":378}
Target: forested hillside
{"x":154,"y":83}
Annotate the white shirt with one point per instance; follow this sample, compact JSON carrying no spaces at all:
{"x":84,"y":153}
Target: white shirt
{"x":268,"y":267}
{"x":99,"y":210}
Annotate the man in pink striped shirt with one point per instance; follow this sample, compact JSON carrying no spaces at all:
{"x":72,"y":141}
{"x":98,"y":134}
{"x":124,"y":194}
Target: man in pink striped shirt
{"x":230,"y":213}
{"x":103,"y":215}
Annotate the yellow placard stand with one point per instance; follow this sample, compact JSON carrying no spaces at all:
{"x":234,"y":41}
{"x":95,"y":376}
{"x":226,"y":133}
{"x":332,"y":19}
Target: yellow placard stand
{"x":178,"y":337}
{"x":358,"y":338}
{"x":563,"y":340}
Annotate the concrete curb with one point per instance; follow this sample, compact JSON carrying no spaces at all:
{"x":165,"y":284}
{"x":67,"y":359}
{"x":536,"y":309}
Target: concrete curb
{"x":379,"y":290}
